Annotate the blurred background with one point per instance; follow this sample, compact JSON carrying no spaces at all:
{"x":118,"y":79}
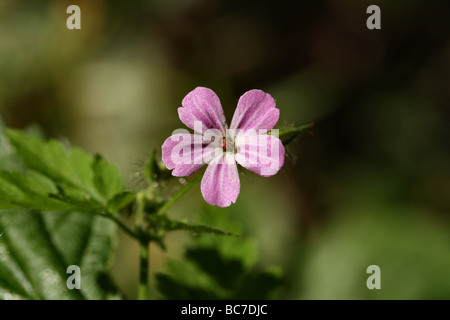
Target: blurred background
{"x":369,"y":187}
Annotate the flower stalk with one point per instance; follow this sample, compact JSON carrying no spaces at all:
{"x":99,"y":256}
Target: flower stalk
{"x":144,"y":254}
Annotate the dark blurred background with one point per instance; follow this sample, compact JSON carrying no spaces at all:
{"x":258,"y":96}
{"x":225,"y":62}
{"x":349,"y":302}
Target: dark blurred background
{"x":370,"y":186}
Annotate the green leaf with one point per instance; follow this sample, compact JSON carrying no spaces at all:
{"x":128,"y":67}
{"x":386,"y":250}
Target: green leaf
{"x":172,"y":289}
{"x":66,"y":167}
{"x":171,"y":225}
{"x":218,"y":268}
{"x":159,"y":225}
{"x":213,"y":263}
{"x":185,"y":281}
{"x":106,"y":178}
{"x":260,"y":285}
{"x":67,"y":175}
{"x":287,"y":135}
{"x":37,"y":248}
{"x":208,"y":274}
{"x":155,"y":170}
{"x":120,"y":201}
{"x":28,"y":190}
{"x":8,"y":159}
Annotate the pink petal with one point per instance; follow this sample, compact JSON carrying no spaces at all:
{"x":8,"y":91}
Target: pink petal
{"x":262,"y":154}
{"x":220,"y":184}
{"x":255,"y":110}
{"x":202,"y":110}
{"x":183,"y":152}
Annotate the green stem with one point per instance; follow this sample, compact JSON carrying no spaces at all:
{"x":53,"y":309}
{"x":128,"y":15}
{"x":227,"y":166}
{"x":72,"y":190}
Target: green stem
{"x":143,"y":269}
{"x":127,"y":230}
{"x":140,"y":209}
{"x":179,"y":194}
{"x":288,"y":135}
{"x":144,"y":244}
{"x":142,"y":236}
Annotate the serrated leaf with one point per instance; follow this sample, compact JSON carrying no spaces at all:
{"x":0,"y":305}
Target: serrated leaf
{"x":260,"y":286}
{"x":151,"y":167}
{"x":155,"y":170}
{"x":29,"y":190}
{"x":185,"y":282}
{"x":76,"y":202}
{"x":71,"y":167}
{"x":287,"y":135}
{"x":38,"y":247}
{"x":213,"y":263}
{"x":121,"y":200}
{"x":172,"y":225}
{"x":208,"y":274}
{"x":8,"y":159}
{"x":81,"y":180}
{"x":107,"y":179}
{"x":218,"y":268}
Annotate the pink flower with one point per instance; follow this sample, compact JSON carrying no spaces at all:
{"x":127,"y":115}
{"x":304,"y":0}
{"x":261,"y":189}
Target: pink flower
{"x":246,"y":142}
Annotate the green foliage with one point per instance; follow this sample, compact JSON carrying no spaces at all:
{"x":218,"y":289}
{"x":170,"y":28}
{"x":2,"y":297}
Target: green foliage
{"x":155,"y":170}
{"x":120,"y":200}
{"x":287,"y":135}
{"x":28,"y":190}
{"x":159,"y":225}
{"x":219,"y":268}
{"x":58,"y":178}
{"x":46,"y":195}
{"x":208,"y":273}
{"x":172,"y":225}
{"x":52,"y":199}
{"x":36,"y":249}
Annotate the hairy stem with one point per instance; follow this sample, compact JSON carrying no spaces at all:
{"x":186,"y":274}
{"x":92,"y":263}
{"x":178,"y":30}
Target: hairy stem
{"x":179,"y":194}
{"x":127,"y":230}
{"x":143,"y":269}
{"x":144,"y":244}
{"x":288,"y":135}
{"x":141,"y":234}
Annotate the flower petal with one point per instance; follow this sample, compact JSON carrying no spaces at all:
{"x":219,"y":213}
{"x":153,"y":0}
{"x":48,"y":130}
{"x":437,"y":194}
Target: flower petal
{"x":255,"y":110}
{"x":262,"y":154}
{"x":220,"y":184}
{"x":183,"y":152}
{"x":202,"y":106}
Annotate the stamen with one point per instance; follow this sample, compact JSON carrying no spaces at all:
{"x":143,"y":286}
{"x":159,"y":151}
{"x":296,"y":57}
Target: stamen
{"x":227,"y":145}
{"x":224,"y":143}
